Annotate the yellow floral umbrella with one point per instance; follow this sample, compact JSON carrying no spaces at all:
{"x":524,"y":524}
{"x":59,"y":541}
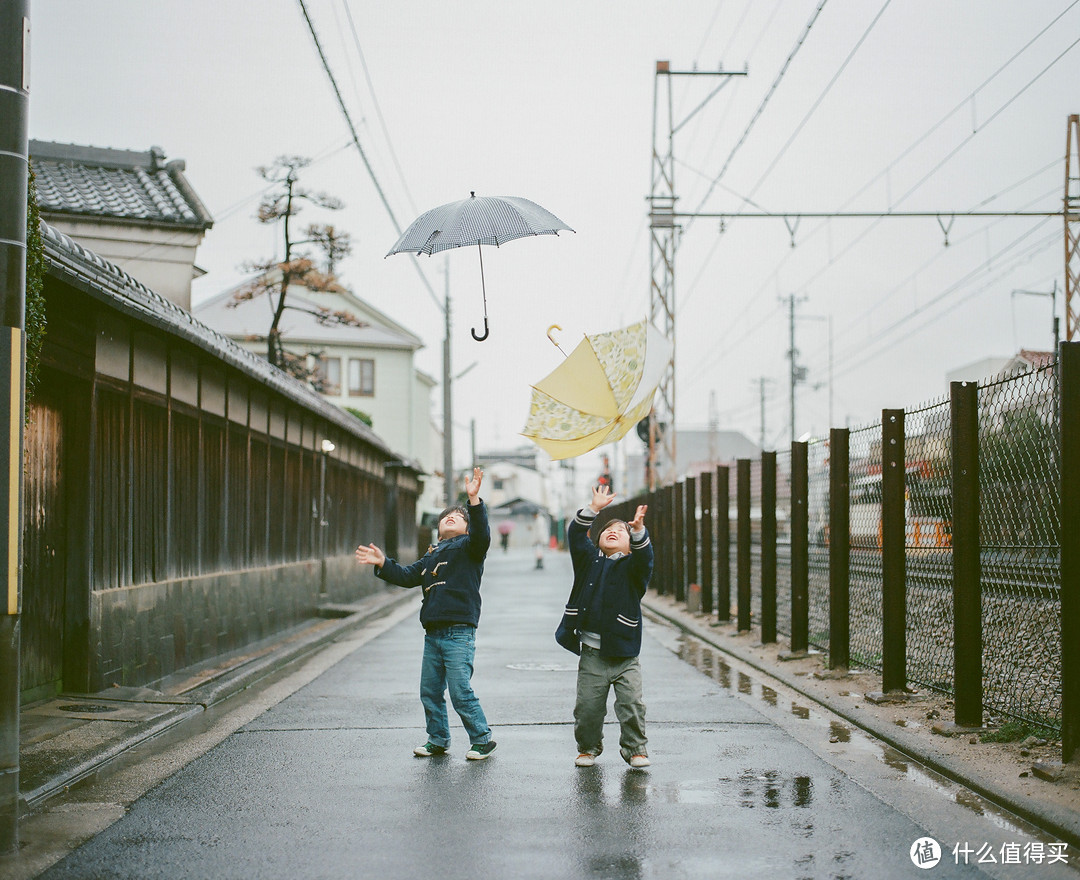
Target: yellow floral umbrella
{"x":603,"y":388}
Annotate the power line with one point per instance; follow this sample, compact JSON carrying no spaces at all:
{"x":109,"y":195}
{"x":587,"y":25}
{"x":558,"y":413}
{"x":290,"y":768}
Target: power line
{"x":764,"y":103}
{"x":963,"y":103}
{"x":820,"y":98}
{"x":359,"y":148}
{"x":866,"y":344}
{"x":918,"y":141}
{"x":378,"y":109}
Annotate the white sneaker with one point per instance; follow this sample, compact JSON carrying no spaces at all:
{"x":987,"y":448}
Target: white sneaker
{"x":585,"y":760}
{"x":639,"y":761}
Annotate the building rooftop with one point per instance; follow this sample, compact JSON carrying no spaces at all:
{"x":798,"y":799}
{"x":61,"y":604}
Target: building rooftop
{"x":247,"y":319}
{"x":121,"y":185}
{"x":105,"y":281}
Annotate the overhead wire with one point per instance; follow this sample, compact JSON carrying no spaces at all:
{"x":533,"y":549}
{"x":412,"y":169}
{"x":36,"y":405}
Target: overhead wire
{"x":761,"y":107}
{"x":748,"y":199}
{"x":817,"y":102}
{"x":937,"y":256}
{"x":1026,"y":256}
{"x":868,"y":343}
{"x":811,"y":233}
{"x":360,"y":149}
{"x":378,"y":107}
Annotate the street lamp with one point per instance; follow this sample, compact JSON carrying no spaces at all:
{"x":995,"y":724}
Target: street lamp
{"x":327,"y":448}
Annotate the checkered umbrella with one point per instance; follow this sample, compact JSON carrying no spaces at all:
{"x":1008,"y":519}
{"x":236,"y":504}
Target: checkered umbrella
{"x":477,"y":221}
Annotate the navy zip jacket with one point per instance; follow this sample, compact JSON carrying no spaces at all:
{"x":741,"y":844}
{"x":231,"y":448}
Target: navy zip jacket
{"x":449,"y":573}
{"x":607,"y":592}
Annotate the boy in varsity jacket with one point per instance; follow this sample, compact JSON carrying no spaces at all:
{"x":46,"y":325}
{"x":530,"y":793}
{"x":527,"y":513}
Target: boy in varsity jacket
{"x":449,"y":575}
{"x":602,"y":623}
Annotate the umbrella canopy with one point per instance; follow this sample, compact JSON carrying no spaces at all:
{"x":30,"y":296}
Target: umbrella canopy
{"x":477,"y":221}
{"x":603,"y":388}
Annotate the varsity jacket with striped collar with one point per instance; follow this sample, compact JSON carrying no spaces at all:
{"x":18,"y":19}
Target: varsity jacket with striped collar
{"x":606,"y":591}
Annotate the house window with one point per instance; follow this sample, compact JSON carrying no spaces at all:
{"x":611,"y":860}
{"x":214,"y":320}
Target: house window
{"x":361,"y":377}
{"x":330,"y":374}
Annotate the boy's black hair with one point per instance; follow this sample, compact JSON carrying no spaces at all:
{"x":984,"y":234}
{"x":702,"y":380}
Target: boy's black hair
{"x":458,"y":507}
{"x":607,"y":525}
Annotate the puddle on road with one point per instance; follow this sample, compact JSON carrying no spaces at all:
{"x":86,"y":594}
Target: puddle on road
{"x":799,"y":790}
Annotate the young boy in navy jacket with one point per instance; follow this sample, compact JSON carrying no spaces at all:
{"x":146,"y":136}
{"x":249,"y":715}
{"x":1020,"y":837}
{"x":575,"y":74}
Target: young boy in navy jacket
{"x":602,"y":623}
{"x":450,"y":576}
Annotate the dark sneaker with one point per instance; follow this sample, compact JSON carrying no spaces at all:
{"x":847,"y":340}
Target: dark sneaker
{"x":480,"y":751}
{"x":428,"y":750}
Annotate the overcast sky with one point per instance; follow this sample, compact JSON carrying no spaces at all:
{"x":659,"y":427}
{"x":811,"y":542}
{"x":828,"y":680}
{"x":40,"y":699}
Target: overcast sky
{"x":920,"y":105}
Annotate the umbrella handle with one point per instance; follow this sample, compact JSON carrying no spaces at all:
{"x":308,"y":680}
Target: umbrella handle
{"x":483,"y":288}
{"x":485,"y":334}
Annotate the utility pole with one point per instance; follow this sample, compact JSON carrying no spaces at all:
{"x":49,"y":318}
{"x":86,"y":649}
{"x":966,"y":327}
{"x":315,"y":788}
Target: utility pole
{"x":1071,"y":211}
{"x":14,"y":170}
{"x":797,"y":373}
{"x":662,"y":247}
{"x":761,"y":382}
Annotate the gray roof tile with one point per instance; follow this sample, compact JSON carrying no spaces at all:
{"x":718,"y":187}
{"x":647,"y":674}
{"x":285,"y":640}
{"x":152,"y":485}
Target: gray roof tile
{"x":118,"y":184}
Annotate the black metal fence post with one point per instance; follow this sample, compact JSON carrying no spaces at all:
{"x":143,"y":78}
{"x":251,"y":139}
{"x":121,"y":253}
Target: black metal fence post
{"x":768,"y":547}
{"x":661,"y":539}
{"x":692,"y":526}
{"x":708,"y":541}
{"x":839,"y":550}
{"x":742,"y":491}
{"x":671,"y":540}
{"x":800,"y":548}
{"x":1069,"y":362}
{"x":723,"y":543}
{"x":893,"y":561}
{"x":680,"y":542}
{"x":967,"y":572}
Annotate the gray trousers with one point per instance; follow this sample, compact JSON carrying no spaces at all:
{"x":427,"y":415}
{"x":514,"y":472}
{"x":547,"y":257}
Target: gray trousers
{"x":596,"y":675}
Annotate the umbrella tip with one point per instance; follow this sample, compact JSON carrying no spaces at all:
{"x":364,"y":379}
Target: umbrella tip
{"x":472,"y":193}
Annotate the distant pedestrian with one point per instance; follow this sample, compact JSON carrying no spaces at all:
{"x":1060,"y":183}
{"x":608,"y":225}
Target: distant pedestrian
{"x":505,"y":528}
{"x":602,"y":623}
{"x":449,"y":574}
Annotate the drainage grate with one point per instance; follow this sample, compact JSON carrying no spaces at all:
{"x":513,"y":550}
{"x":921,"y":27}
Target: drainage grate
{"x":86,"y":708}
{"x":541,"y":667}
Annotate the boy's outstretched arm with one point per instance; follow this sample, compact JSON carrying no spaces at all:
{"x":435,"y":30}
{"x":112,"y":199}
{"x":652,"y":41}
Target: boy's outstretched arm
{"x":641,"y":550}
{"x":370,"y":555}
{"x":387,"y":569}
{"x":602,"y":496}
{"x":479,"y":531}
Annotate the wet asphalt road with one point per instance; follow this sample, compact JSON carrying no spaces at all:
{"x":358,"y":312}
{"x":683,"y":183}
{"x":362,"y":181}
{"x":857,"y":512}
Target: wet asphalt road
{"x":324,"y":784}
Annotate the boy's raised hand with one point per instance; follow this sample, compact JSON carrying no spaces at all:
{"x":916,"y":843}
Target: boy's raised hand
{"x":602,"y":496}
{"x":370,"y":555}
{"x":472,"y":487}
{"x":638,"y":522}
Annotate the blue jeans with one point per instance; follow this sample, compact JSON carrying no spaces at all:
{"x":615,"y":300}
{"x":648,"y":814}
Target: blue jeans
{"x":448,"y":665}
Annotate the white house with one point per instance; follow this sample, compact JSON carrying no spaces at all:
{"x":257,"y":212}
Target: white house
{"x":369,"y":368}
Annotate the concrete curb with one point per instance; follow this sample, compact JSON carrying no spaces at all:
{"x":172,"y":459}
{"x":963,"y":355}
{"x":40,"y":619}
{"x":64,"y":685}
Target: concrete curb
{"x":1059,"y":821}
{"x":70,"y":773}
{"x":80,"y":764}
{"x":245,"y":676}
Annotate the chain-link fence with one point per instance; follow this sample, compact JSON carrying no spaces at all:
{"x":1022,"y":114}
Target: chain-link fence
{"x":928,"y":545}
{"x":1019,"y":530}
{"x":864,"y":469}
{"x":1019,"y":546}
